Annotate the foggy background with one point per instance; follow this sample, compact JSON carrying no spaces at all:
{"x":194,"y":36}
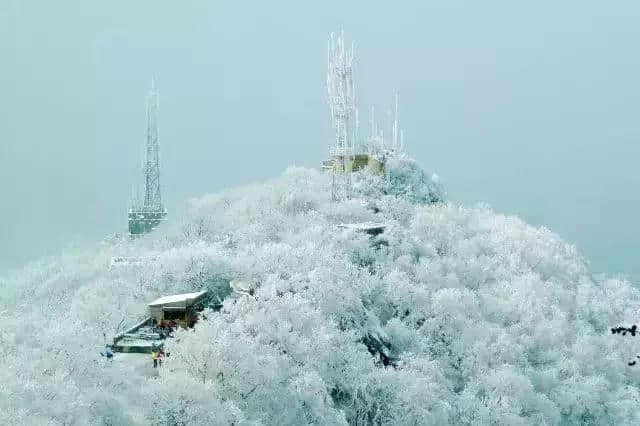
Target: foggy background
{"x":533,"y":108}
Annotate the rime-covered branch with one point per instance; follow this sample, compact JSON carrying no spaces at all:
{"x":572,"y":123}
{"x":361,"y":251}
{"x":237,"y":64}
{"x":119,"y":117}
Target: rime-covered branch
{"x":624,"y":330}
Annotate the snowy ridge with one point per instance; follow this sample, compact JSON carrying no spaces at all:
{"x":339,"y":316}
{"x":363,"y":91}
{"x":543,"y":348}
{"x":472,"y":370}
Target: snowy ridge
{"x":464,"y":316}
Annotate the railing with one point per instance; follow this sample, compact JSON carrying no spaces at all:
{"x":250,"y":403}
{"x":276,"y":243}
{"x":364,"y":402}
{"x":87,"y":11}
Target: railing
{"x":131,"y":330}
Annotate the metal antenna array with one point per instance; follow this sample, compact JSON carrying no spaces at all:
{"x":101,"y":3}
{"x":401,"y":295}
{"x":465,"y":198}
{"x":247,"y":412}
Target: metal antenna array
{"x":144,"y":218}
{"x":152,"y":195}
{"x":376,"y":141}
{"x":341,"y":100}
{"x":395,"y":129}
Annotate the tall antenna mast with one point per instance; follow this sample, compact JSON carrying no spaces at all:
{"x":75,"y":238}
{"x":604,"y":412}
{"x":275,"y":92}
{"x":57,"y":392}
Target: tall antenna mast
{"x":152,"y":195}
{"x":145,"y":218}
{"x":356,"y":135}
{"x":395,"y":126}
{"x":341,"y":99}
{"x":372,"y":121}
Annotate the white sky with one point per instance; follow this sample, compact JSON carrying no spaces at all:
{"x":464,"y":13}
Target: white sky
{"x":532,"y":107}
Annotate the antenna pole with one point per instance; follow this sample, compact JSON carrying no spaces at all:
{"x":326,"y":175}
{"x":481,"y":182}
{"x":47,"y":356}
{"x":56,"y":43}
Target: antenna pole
{"x":341,"y":99}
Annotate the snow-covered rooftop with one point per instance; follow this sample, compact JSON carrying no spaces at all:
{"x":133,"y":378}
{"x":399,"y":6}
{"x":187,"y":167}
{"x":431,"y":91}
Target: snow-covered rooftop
{"x":364,"y":226}
{"x":177,"y":298}
{"x":123,"y":261}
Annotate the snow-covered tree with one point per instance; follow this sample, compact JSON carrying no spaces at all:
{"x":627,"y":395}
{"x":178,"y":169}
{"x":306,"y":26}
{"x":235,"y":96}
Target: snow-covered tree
{"x":453,"y":315}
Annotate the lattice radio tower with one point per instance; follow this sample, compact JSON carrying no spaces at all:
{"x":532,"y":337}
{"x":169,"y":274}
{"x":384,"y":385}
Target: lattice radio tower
{"x":341,"y":99}
{"x":152,"y":194}
{"x":145,"y":218}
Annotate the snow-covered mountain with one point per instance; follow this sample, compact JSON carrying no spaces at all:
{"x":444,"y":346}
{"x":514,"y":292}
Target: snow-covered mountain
{"x":452,"y":315}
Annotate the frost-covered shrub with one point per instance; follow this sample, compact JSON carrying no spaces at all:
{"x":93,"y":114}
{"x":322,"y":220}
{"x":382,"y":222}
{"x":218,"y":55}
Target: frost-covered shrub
{"x":407,"y":179}
{"x":462,"y":316}
{"x":403,"y":178}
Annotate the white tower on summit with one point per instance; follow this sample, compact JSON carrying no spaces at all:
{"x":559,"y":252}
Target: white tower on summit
{"x":146,"y":217}
{"x":152,"y":194}
{"x":341,"y":99}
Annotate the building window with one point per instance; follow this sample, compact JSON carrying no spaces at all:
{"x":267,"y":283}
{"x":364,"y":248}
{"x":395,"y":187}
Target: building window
{"x":174,"y":314}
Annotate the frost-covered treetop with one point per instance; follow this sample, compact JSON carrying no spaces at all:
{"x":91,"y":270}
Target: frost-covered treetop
{"x":452,"y":315}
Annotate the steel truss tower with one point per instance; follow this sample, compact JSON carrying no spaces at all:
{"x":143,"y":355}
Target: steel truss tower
{"x":144,"y":218}
{"x":341,"y":99}
{"x":152,"y":195}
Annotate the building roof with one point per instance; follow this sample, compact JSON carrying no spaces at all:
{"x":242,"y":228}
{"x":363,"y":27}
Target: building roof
{"x":364,"y":226}
{"x":177,"y":298}
{"x":370,"y":228}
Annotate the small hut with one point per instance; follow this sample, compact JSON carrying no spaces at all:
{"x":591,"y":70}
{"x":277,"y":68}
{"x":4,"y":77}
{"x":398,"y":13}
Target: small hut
{"x":353,"y":163}
{"x":180,"y":308}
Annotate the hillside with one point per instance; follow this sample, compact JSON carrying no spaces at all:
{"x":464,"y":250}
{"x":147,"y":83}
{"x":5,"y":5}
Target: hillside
{"x":453,"y":315}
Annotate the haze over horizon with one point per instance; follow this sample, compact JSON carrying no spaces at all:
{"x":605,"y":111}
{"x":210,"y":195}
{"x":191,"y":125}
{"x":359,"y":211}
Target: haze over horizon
{"x":531,"y":108}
